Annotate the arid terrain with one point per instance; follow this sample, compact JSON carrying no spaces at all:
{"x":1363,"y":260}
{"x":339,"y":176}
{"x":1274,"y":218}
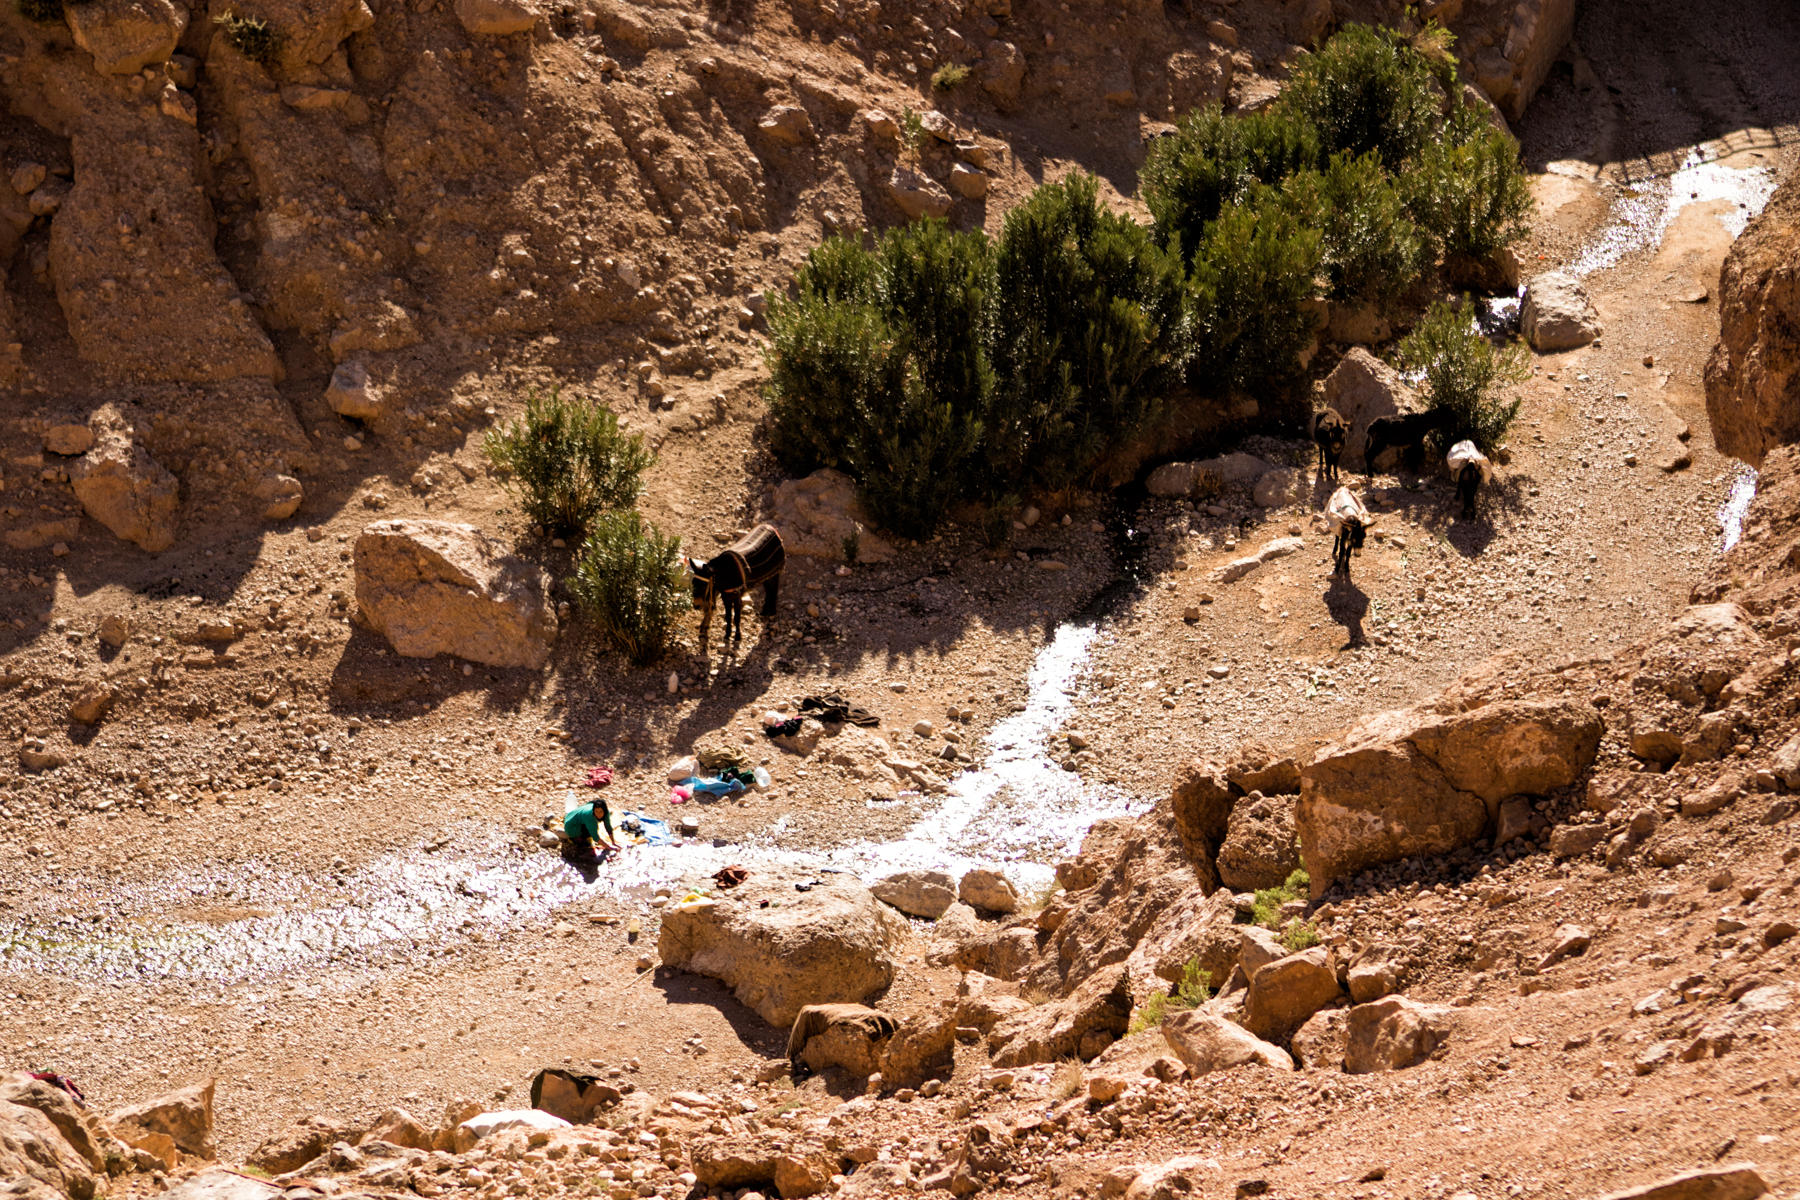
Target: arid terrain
{"x":282,"y":856}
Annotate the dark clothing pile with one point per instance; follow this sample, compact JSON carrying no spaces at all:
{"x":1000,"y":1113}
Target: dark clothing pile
{"x":835,"y":710}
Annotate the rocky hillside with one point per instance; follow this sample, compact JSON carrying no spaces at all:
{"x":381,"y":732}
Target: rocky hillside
{"x":1753,"y":379}
{"x":261,"y":246}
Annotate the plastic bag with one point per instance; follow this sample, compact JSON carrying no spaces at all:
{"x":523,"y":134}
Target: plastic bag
{"x":763,"y":779}
{"x":682,"y":768}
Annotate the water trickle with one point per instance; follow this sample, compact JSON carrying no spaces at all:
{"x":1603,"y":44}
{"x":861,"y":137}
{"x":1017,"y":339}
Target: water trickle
{"x":1642,"y":213}
{"x":1737,"y":504}
{"x":1020,"y":811}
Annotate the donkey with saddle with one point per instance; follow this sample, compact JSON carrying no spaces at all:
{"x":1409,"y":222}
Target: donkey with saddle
{"x":755,"y":558}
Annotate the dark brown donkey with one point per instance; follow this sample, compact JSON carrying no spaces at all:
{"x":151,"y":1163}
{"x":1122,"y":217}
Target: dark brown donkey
{"x":755,"y":558}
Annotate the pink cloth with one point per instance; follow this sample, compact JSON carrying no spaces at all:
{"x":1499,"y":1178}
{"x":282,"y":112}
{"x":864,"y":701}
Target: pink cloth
{"x":598,"y":777}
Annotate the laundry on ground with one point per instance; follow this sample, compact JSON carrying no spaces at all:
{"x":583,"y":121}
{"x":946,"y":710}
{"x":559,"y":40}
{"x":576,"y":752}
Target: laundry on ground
{"x":835,"y":710}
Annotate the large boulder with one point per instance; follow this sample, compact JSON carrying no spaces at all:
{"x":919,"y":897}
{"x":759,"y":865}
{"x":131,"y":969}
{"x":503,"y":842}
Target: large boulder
{"x":1284,"y":993}
{"x":988,"y":891}
{"x":1259,"y":850}
{"x":123,"y":488}
{"x":1753,"y":377}
{"x":917,"y":194}
{"x":570,"y":1095}
{"x":1391,"y":1034}
{"x":125,"y":36}
{"x":185,"y":1117}
{"x":483,"y":1125}
{"x":927,"y":894}
{"x":99,"y":1149}
{"x":1557,"y":314}
{"x":435,"y":587}
{"x":1360,"y":388}
{"x":1739,"y":1181}
{"x":1418,"y":781}
{"x":1530,"y":40}
{"x":1207,"y":1042}
{"x":820,"y":514}
{"x":832,"y":943}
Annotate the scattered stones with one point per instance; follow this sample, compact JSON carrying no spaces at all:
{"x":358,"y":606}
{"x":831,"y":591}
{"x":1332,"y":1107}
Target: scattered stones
{"x":91,"y":703}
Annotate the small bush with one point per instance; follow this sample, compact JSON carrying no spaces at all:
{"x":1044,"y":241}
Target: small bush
{"x":1299,"y":935}
{"x":1252,"y":278}
{"x":1191,"y":991}
{"x":628,"y":582}
{"x":912,"y":132}
{"x":44,"y":12}
{"x":1371,"y":251}
{"x":1068,"y":1081}
{"x":1465,"y":373}
{"x":568,"y":462}
{"x":949,"y":76}
{"x":1367,"y":90}
{"x":252,"y":37}
{"x":1267,"y":911}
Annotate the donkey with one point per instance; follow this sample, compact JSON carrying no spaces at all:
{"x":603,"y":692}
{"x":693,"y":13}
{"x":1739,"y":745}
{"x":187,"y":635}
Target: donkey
{"x":1405,"y":433}
{"x":1330,"y":432}
{"x":755,"y":558}
{"x":1352,"y":523}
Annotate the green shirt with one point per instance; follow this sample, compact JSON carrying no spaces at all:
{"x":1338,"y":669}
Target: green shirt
{"x":584,"y":822}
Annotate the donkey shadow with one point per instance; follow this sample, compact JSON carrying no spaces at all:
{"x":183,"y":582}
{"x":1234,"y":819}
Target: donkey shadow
{"x":1348,"y":605}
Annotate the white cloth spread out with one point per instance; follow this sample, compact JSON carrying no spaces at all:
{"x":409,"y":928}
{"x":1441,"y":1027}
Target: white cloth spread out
{"x":1464,"y":453}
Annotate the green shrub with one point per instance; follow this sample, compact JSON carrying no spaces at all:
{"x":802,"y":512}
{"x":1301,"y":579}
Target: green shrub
{"x":1371,"y":251}
{"x":252,"y":37}
{"x":1468,"y":190}
{"x":629,"y":584}
{"x":568,"y":462}
{"x":1090,"y":328}
{"x":949,"y":76}
{"x":879,"y":367}
{"x":1465,"y":373}
{"x":1267,"y":910}
{"x":1299,"y":935}
{"x":1191,"y":991}
{"x":1367,"y":90}
{"x":1213,"y":160}
{"x":1252,"y":276}
{"x":44,"y":12}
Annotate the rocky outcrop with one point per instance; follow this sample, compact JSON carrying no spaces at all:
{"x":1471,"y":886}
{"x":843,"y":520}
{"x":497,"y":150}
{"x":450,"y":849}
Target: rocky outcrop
{"x":833,"y":943}
{"x":1753,"y":377}
{"x":434,"y":587}
{"x":185,"y":1117}
{"x":123,"y":488}
{"x":34,"y":1152}
{"x":848,"y":1037}
{"x":1420,"y":781}
{"x":1284,"y":993}
{"x":126,"y":35}
{"x":917,"y":194}
{"x":299,"y":1144}
{"x":1557,"y":314}
{"x":1517,"y":52}
{"x":1080,"y":1025}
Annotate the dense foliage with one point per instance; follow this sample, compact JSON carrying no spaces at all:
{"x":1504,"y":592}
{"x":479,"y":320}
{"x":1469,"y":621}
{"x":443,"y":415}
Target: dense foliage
{"x":938,"y":365}
{"x":935,"y":366}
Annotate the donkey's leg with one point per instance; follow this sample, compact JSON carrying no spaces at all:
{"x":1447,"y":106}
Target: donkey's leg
{"x":771,"y":590}
{"x":706,"y":611}
{"x":737,"y":615}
